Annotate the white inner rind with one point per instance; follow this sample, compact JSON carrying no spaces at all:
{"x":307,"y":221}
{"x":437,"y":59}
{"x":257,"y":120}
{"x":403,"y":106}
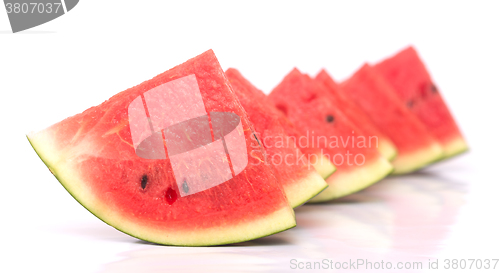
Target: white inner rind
{"x":342,"y":183}
{"x":454,"y":147}
{"x":324,"y":166}
{"x":306,"y":188}
{"x":387,"y":149}
{"x":409,"y":162}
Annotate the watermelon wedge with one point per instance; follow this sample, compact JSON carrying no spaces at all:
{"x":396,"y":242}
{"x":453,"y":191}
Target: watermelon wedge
{"x":357,"y":116}
{"x":300,"y":180}
{"x":173,"y":161}
{"x":308,"y":106}
{"x":407,"y":74}
{"x":416,"y":146}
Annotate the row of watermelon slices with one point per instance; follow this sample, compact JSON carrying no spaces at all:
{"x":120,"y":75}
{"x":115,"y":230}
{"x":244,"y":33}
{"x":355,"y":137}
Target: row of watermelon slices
{"x":199,"y":156}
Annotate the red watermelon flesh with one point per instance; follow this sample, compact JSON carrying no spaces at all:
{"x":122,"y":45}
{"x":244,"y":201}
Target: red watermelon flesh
{"x":168,"y":161}
{"x":309,"y":107}
{"x":407,"y":74}
{"x":416,"y":146}
{"x":357,"y":116}
{"x":300,"y":180}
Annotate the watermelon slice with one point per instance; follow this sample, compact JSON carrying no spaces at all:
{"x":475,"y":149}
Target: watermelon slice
{"x":172,"y":161}
{"x":414,"y":86}
{"x":309,"y":107}
{"x":300,"y":180}
{"x":357,"y":116}
{"x":416,"y":147}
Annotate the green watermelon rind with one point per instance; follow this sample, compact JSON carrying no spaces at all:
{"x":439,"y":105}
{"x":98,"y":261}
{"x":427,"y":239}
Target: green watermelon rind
{"x":391,"y":148}
{"x":445,"y":157}
{"x":312,"y":191}
{"x":330,"y":174}
{"x":434,"y":153}
{"x":459,"y":146}
{"x":324,"y":167}
{"x":54,"y":171}
{"x":380,"y":169}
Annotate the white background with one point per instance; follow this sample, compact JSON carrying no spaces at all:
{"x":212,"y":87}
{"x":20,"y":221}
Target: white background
{"x":102,"y":47}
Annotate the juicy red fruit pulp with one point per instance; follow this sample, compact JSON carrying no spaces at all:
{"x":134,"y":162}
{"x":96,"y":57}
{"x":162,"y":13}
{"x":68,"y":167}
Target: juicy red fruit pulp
{"x":134,"y":157}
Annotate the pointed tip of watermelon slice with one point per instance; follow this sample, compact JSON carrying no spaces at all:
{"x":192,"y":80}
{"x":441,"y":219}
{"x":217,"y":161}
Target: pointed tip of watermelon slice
{"x":387,"y":149}
{"x":280,"y":220}
{"x":323,"y":166}
{"x":303,"y":191}
{"x":345,"y":183}
{"x":452,"y":148}
{"x":455,"y":147}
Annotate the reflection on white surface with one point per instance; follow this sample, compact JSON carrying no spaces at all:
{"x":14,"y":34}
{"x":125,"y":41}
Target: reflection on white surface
{"x":401,"y":219}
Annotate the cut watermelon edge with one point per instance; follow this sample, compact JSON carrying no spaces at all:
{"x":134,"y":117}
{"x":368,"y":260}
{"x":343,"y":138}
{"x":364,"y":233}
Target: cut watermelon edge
{"x":275,"y":222}
{"x":459,"y":146}
{"x":355,"y":180}
{"x":324,"y":166}
{"x":418,"y":159}
{"x":303,"y":191}
{"x":387,"y":149}
{"x":455,"y":147}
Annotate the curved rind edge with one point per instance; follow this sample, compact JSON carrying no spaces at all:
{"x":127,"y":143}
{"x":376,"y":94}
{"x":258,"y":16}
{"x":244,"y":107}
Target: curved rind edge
{"x":418,"y":159}
{"x":350,"y":182}
{"x":281,"y":218}
{"x":303,"y":191}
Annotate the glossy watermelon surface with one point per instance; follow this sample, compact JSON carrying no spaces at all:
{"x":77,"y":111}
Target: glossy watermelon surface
{"x":416,"y":146}
{"x":359,"y":118}
{"x":322,"y":125}
{"x":173,"y":160}
{"x":414,"y":86}
{"x":300,"y":180}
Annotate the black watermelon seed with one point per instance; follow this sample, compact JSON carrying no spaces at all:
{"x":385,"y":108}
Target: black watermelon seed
{"x":256,"y":139}
{"x":434,"y":89}
{"x":185,"y":186}
{"x":144,"y":181}
{"x":410,"y":103}
{"x":329,"y":118}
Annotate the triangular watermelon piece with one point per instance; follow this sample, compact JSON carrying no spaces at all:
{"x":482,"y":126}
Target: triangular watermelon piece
{"x":416,"y":146}
{"x":308,"y":106}
{"x":173,"y":161}
{"x":407,"y":74}
{"x":300,"y":180}
{"x":357,"y":116}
